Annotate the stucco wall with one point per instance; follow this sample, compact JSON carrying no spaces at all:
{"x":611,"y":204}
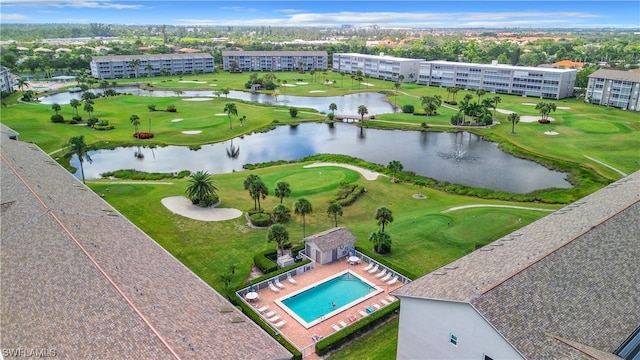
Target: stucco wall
{"x":427,"y":325}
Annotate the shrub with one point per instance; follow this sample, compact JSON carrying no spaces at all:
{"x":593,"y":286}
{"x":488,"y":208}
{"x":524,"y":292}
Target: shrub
{"x":151,"y":107}
{"x":265,"y":264}
{"x":57,"y":118}
{"x":293,"y":112}
{"x":92,"y":122}
{"x":143,"y":135}
{"x":206,"y":202}
{"x":408,"y":109}
{"x":260,"y":219}
{"x":330,"y":116}
{"x":354,"y":195}
{"x":424,"y":124}
{"x":172,"y":108}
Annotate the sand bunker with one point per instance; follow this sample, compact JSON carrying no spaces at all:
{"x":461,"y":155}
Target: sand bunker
{"x":288,"y":85}
{"x":529,"y":118}
{"x":552,"y":133}
{"x":302,"y":83}
{"x":317,"y":91}
{"x":176,"y":120}
{"x":182,"y":206}
{"x":367,"y":84}
{"x":198,"y":99}
{"x":529,"y":104}
{"x":503,"y":111}
{"x":221,"y":114}
{"x":192,"y":132}
{"x":213,"y":84}
{"x":564,"y":107}
{"x":192,"y":81}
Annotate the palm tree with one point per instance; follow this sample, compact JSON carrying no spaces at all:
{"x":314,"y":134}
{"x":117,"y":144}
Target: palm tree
{"x":384,"y":216}
{"x":230,"y":109}
{"x":420,"y":183}
{"x":362,"y":111}
{"x":88,"y":107}
{"x":342,"y":74}
{"x":468,"y":97}
{"x":201,"y":188}
{"x":481,"y":92}
{"x":279,"y":234}
{"x":247,"y":186}
{"x":135,"y":64}
{"x":74,"y":104}
{"x":395,"y":166}
{"x":333,"y":107}
{"x":303,"y":207}
{"x":22,"y":83}
{"x":454,"y":91}
{"x":258,"y":190}
{"x":135,"y":121}
{"x":381,"y":242}
{"x":496,"y":100}
{"x":225,"y":91}
{"x":397,"y":86}
{"x":282,"y":190}
{"x":431,"y":104}
{"x":281,"y":214}
{"x":104,"y":85}
{"x":334,"y":210}
{"x":514,"y":118}
{"x":233,"y":151}
{"x":56,"y":107}
{"x":78,"y":147}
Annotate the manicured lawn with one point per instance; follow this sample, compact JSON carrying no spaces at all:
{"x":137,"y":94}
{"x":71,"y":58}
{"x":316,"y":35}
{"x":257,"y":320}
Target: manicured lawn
{"x":379,"y":344}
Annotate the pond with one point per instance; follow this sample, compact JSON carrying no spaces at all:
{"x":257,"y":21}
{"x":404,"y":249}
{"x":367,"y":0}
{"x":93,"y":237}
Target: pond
{"x":347,"y":104}
{"x":460,"y":158}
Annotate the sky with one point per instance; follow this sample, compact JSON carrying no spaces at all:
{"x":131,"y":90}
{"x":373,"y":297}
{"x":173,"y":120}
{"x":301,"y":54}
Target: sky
{"x":359,"y":13}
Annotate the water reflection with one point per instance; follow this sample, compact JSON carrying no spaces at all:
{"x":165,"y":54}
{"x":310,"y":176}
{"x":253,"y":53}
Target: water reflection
{"x":461,"y":158}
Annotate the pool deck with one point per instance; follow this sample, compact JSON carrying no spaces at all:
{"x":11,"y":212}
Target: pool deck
{"x":296,"y":332}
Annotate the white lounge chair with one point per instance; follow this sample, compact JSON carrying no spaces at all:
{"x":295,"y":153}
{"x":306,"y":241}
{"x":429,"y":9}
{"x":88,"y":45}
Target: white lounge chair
{"x":278,"y":283}
{"x":280,"y":324}
{"x":270,"y":314}
{"x":263,"y":309}
{"x":291,"y":279}
{"x":342,"y":324}
{"x":373,"y":269}
{"x":274,"y":319}
{"x":335,"y":327}
{"x":376,"y":306}
{"x":392,"y":281}
{"x":381,"y":273}
{"x":391,"y":298}
{"x":273,"y":287}
{"x":368,"y":267}
{"x":362,"y":313}
{"x":387,"y":277}
{"x":384,"y":302}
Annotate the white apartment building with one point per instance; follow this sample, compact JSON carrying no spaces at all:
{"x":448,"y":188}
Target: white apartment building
{"x":123,"y":66}
{"x":378,"y":66}
{"x":499,"y":78}
{"x":274,"y":60}
{"x":6,"y":81}
{"x":617,"y":88}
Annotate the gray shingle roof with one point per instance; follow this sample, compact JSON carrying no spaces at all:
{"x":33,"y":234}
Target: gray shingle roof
{"x":332,"y":238}
{"x":571,"y":275}
{"x":79,"y":278}
{"x":611,"y":74}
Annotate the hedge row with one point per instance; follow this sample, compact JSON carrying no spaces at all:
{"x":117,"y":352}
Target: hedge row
{"x":267,"y":266}
{"x":355,"y":195}
{"x":336,"y":340}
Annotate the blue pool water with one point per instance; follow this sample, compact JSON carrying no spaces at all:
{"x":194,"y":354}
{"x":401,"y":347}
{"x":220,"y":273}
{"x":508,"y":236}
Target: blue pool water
{"x":322,"y":299}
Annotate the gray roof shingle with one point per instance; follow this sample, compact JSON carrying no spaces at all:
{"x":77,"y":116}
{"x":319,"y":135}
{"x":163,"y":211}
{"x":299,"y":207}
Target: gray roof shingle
{"x":332,"y":238}
{"x":79,"y":278}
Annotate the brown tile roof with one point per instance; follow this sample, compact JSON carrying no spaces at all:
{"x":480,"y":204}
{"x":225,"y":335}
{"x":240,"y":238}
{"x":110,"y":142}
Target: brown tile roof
{"x":79,"y":278}
{"x":332,"y":238}
{"x":621,"y":75}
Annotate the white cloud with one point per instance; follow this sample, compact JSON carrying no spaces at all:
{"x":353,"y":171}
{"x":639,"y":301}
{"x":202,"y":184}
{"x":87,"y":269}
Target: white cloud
{"x":13,"y":17}
{"x":102,"y":4}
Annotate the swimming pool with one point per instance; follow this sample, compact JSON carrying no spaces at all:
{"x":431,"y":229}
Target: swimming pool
{"x":322,"y":300}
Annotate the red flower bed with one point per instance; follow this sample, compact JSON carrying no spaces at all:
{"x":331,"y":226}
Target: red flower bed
{"x":143,"y":135}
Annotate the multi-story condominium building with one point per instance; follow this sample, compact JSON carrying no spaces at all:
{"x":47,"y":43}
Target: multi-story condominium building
{"x":128,"y":66}
{"x":498,"y":78}
{"x":617,"y":88}
{"x":6,"y":81}
{"x":274,"y":60}
{"x":378,"y":66}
